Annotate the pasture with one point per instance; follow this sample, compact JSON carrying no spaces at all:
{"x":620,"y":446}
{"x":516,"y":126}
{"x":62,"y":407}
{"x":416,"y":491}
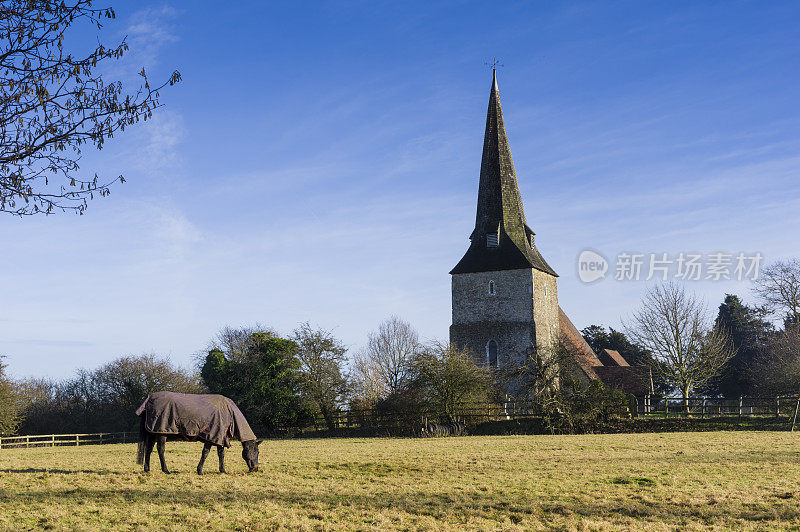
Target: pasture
{"x":716,"y":480}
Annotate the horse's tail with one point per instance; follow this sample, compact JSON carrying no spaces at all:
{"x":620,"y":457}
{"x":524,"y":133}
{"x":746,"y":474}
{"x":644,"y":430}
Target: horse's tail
{"x":142,"y":442}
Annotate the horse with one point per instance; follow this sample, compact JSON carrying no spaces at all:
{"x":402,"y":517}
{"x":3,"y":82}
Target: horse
{"x":212,"y":419}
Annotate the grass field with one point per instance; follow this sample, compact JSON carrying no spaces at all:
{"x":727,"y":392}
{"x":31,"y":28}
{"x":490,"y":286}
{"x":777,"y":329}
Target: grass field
{"x":715,"y":480}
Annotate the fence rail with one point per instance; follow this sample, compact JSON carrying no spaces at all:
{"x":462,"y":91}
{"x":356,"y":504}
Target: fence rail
{"x":58,"y":440}
{"x":785,"y":406}
{"x":703,"y":407}
{"x":470,"y":414}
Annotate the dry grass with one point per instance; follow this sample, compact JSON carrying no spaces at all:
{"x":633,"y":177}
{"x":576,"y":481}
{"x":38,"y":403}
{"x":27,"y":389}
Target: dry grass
{"x":715,"y":480}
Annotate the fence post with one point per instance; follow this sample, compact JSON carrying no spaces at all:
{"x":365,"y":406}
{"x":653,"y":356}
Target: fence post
{"x":77,"y":440}
{"x":53,"y":440}
{"x":27,"y":441}
{"x":740,"y":405}
{"x":794,"y":417}
{"x":777,"y":406}
{"x":703,"y":414}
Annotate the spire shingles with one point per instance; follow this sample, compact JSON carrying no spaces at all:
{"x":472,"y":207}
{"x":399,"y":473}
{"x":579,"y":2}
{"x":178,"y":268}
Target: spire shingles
{"x":500,"y":211}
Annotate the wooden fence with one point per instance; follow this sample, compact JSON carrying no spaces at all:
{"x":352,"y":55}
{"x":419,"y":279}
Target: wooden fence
{"x":406,"y":422}
{"x":778,"y":406}
{"x":650,"y":406}
{"x":57,"y":440}
{"x":469,"y":413}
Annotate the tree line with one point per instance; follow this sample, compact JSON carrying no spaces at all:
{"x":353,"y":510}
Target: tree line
{"x":293,"y":380}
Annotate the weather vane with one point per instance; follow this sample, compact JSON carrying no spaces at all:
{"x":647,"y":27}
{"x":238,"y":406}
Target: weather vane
{"x":494,"y":64}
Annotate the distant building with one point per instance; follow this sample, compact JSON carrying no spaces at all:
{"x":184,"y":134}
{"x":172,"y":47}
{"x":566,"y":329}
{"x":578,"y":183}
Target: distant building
{"x":505,"y":295}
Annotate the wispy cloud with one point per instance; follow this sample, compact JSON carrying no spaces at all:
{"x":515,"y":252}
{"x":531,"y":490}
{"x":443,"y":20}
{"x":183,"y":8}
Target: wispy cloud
{"x":159,"y":139}
{"x":148,"y":31}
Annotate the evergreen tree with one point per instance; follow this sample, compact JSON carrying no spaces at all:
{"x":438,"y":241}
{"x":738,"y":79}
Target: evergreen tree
{"x":265,"y":383}
{"x":634,"y":354}
{"x":598,"y":339}
{"x":750,"y":334}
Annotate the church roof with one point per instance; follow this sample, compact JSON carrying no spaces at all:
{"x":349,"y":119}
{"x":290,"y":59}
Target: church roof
{"x":634,"y":380}
{"x":611,"y":357}
{"x":584,"y":355}
{"x":500,"y":213}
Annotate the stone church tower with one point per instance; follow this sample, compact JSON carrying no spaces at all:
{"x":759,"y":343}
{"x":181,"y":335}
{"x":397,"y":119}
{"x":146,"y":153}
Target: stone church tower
{"x":505,"y":298}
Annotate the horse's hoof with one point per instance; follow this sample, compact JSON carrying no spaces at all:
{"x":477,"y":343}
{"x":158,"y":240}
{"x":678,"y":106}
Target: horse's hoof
{"x":223,"y":471}
{"x":200,"y":472}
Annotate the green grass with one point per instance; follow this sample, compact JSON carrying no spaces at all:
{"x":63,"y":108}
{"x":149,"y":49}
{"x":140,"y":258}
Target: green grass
{"x":717,"y":480}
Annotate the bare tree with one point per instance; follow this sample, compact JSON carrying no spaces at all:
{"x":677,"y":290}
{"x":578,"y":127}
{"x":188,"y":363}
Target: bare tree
{"x":391,"y":348}
{"x":234,"y":342}
{"x":322,"y":359}
{"x":536,"y":377}
{"x":778,"y":286}
{"x":367,"y":386}
{"x":448,"y":379}
{"x":675,"y":326}
{"x":776,"y":370}
{"x":52,"y":103}
{"x":100,"y":400}
{"x":9,"y":403}
{"x":552,"y":383}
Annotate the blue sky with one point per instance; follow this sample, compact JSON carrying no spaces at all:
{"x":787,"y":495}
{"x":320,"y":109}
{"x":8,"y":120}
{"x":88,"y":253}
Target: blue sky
{"x":320,"y":162}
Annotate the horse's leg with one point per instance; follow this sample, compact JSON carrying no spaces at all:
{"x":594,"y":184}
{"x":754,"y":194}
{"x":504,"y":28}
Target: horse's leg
{"x":206,"y":449}
{"x":160,"y":445}
{"x":149,"y":443}
{"x":221,"y":454}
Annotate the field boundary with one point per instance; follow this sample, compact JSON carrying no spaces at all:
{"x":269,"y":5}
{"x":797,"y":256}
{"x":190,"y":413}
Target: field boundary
{"x":61,"y":440}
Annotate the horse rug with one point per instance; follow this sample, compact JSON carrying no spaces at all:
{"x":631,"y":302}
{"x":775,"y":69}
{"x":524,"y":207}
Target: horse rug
{"x":212,"y":418}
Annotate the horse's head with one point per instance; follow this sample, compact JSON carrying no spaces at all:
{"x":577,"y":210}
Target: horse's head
{"x":250,"y":454}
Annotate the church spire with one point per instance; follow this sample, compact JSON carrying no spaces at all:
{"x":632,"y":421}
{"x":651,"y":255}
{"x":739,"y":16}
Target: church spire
{"x":501,"y":239}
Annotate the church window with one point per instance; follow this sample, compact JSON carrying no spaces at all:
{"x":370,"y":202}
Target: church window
{"x":492,"y":358}
{"x":491,"y":288}
{"x":545,"y":290}
{"x":491,"y":240}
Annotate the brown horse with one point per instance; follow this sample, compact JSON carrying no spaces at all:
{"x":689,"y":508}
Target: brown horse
{"x":212,"y":419}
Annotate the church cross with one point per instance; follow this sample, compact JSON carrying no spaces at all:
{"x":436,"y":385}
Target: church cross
{"x":494,"y":64}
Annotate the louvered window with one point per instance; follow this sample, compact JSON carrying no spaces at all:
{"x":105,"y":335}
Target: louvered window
{"x":491,"y":240}
{"x":491,"y":288}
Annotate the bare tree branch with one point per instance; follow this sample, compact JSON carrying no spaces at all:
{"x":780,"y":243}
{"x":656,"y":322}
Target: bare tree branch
{"x":391,"y":349}
{"x":778,"y":286}
{"x":675,"y":326}
{"x":52,"y":103}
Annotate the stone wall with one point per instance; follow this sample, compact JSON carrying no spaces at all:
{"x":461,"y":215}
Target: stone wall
{"x":524,"y":306}
{"x":545,"y":310}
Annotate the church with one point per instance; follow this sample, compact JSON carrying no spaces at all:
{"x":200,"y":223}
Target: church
{"x":505,"y":294}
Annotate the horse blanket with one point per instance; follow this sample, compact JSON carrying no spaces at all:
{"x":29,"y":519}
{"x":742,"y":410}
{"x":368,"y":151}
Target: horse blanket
{"x":212,"y":418}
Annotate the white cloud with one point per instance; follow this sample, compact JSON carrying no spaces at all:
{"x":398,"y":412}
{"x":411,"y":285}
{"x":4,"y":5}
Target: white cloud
{"x":149,"y":30}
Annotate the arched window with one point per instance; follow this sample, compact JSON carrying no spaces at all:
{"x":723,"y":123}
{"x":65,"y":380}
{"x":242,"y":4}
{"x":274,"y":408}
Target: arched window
{"x":491,"y":288}
{"x":492,"y":359}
